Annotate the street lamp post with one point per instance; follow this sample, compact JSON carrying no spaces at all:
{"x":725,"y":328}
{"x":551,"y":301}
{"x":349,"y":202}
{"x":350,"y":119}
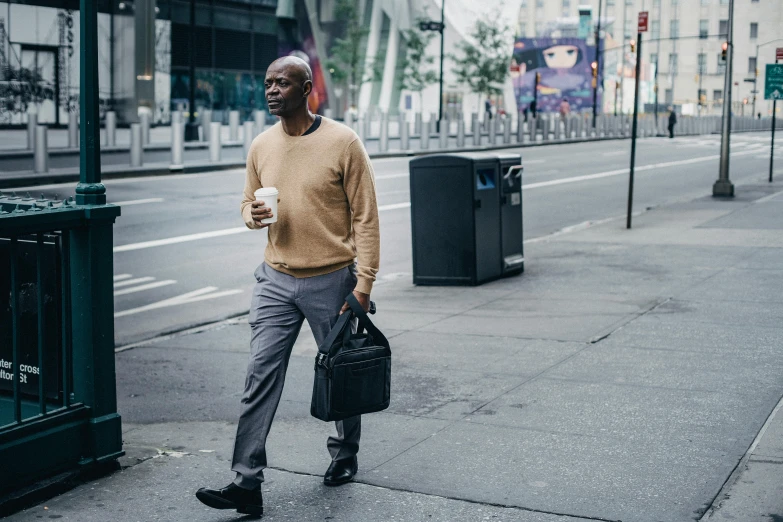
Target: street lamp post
{"x":723,"y":187}
{"x":597,"y":62}
{"x":442,"y":36}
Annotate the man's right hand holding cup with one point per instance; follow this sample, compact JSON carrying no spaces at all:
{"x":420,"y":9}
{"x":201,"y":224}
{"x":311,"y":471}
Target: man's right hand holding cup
{"x":259,"y":211}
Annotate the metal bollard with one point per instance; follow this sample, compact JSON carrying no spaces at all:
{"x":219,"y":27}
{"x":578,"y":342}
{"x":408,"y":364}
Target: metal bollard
{"x":177,"y":145}
{"x":556,"y":124}
{"x":144,"y":119}
{"x":493,"y":131}
{"x":73,"y":130}
{"x":475,"y":129}
{"x":206,"y":124}
{"x":383,"y":140}
{"x":248,"y":135}
{"x":41,"y":150}
{"x":111,"y":129}
{"x":532,"y":124}
{"x":361,"y":128}
{"x":402,"y":117}
{"x":233,"y":125}
{"x":461,"y":133}
{"x":176,"y":117}
{"x":260,"y":117}
{"x":136,"y":150}
{"x":520,"y":127}
{"x":404,"y":135}
{"x":32,"y":123}
{"x":214,"y":141}
{"x":417,"y":124}
{"x":424,"y":139}
{"x":348,"y":118}
{"x":433,"y":123}
{"x":443,"y":134}
{"x":506,"y":129}
{"x":367,"y":125}
{"x":545,"y":127}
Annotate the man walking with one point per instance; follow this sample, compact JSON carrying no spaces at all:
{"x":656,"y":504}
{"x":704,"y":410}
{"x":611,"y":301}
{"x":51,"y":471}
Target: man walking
{"x":672,"y":121}
{"x":565,"y":108}
{"x":327,"y":217}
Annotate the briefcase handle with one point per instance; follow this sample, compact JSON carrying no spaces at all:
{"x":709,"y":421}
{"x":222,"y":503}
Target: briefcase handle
{"x":364,"y":320}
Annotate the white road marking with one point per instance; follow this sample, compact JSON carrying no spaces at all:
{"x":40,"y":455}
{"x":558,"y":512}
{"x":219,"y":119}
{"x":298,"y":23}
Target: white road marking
{"x":130,"y":282}
{"x":133,"y":290}
{"x":138,"y":201}
{"x":180,"y":239}
{"x":394,"y":206}
{"x":392,"y":176}
{"x":532,"y":162}
{"x":120,"y":277}
{"x":202,"y":294}
{"x":615,"y":153}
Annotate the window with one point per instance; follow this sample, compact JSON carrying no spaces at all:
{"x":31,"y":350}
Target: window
{"x":628,"y":2}
{"x":539,"y":3}
{"x":655,"y":29}
{"x":752,"y":65}
{"x":674,"y":28}
{"x":522,"y":30}
{"x":704,"y":28}
{"x":675,"y":2}
{"x":717,"y":95}
{"x":724,"y":2}
{"x":754,"y":30}
{"x":566,"y":5}
{"x":654,"y":59}
{"x":702,"y":61}
{"x":723,"y":28}
{"x":627,"y":28}
{"x":721,"y":64}
{"x":673,"y":63}
{"x":656,"y":3}
{"x":669,"y":97}
{"x":609,"y":2}
{"x":705,"y":2}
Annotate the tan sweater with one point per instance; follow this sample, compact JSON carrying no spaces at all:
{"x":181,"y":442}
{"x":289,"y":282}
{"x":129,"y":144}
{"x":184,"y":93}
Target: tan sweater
{"x":327,"y":214}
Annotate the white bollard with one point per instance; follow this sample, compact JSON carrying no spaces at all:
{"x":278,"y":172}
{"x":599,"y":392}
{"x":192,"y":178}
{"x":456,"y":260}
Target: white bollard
{"x":248,"y":135}
{"x":402,"y":117}
{"x":460,"y":132}
{"x":417,"y":124}
{"x":177,"y":145}
{"x":532,"y":125}
{"x":73,"y":130}
{"x":206,"y":124}
{"x":233,"y":125}
{"x":404,"y":134}
{"x":476,"y":129}
{"x":545,"y":128}
{"x":383,"y":139}
{"x":214,"y":141}
{"x":367,"y":125}
{"x":32,"y":123}
{"x":41,"y":150}
{"x":362,"y":129}
{"x":136,"y":149}
{"x":260,"y":118}
{"x":557,"y":128}
{"x":506,"y":129}
{"x":493,"y":131}
{"x":144,"y":119}
{"x":176,"y":117}
{"x":443,"y":134}
{"x":433,"y":123}
{"x":111,"y":129}
{"x":424,"y":139}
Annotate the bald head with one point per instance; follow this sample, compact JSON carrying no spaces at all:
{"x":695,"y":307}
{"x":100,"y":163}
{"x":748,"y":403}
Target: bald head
{"x":294,"y":66}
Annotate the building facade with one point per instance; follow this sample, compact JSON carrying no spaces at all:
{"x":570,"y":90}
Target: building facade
{"x":681,"y":51}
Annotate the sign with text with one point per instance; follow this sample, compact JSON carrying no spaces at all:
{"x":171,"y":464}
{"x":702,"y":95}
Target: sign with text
{"x":773,"y":82}
{"x":643,"y":16}
{"x":779,"y":54}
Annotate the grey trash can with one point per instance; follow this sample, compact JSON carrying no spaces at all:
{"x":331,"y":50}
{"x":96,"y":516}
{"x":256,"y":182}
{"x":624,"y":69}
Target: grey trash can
{"x":455,"y":219}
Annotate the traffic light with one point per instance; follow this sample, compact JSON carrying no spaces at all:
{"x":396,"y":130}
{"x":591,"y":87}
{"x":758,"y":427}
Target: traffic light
{"x":633,"y":46}
{"x":538,"y":78}
{"x":724,"y":48}
{"x":594,"y":66}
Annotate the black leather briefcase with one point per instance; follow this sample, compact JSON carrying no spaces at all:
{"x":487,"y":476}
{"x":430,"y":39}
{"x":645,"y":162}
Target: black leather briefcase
{"x":352,"y":370}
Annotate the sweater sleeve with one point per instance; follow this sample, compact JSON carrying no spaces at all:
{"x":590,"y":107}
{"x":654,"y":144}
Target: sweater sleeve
{"x":252,"y":183}
{"x":359,"y":185}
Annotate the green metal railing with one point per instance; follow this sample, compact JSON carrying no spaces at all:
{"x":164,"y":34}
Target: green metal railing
{"x":60,"y":410}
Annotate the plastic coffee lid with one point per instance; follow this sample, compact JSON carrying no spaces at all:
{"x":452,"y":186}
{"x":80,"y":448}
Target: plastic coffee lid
{"x":266,"y":191}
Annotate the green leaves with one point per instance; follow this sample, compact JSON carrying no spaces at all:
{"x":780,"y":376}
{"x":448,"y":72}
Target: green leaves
{"x":485,"y":56}
{"x":416,"y":75}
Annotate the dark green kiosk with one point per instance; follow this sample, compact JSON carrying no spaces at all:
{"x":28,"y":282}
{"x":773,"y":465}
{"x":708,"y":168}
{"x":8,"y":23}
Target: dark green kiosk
{"x":466,"y":218}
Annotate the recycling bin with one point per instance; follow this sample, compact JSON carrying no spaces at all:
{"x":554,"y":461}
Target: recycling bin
{"x":512,"y":250}
{"x":455,"y":219}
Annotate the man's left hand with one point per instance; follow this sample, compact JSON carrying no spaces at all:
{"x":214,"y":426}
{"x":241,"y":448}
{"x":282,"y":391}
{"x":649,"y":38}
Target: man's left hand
{"x":364,"y":300}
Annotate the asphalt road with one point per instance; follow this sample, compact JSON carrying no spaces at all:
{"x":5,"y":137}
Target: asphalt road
{"x":183,"y":256}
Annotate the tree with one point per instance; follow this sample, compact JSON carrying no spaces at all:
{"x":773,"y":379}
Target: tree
{"x":346,"y":56}
{"x":415,"y":74}
{"x":485,"y":57}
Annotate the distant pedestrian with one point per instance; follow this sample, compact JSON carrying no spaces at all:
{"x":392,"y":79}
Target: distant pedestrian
{"x":672,"y":121}
{"x":758,"y":116}
{"x":565,"y":108}
{"x":324,"y":245}
{"x":533,"y":108}
{"x":488,"y":108}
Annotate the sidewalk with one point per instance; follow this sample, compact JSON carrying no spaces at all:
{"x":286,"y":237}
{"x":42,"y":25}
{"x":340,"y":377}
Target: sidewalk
{"x":625,"y":376}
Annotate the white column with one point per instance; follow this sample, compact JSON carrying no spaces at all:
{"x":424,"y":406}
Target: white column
{"x":389,"y":67}
{"x":373,"y":40}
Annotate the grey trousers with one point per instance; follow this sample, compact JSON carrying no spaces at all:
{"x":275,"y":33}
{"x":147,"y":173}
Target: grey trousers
{"x":279,"y":305}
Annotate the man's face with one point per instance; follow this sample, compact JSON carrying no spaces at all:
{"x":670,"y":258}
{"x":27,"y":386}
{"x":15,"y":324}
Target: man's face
{"x":561,"y":56}
{"x":286,"y":89}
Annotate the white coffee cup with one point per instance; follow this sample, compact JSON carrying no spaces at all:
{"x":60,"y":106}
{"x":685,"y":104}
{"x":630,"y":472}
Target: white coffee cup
{"x":269,"y":196}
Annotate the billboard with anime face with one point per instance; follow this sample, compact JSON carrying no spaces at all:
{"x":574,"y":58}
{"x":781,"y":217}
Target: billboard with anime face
{"x":564,"y":65}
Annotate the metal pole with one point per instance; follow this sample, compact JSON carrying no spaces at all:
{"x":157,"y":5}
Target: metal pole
{"x":442,"y":37}
{"x":136,"y":150}
{"x":111,"y":129}
{"x":755,"y":78}
{"x":89,"y":190}
{"x":191,"y":130}
{"x":41,"y":153}
{"x":214,"y":141}
{"x":248,"y":134}
{"x":32,"y":123}
{"x":772,"y":143}
{"x":206,"y":124}
{"x":633,"y":126}
{"x":424,"y":138}
{"x":597,"y":61}
{"x":474,"y":122}
{"x":177,"y":146}
{"x":723,"y":187}
{"x":443,"y":134}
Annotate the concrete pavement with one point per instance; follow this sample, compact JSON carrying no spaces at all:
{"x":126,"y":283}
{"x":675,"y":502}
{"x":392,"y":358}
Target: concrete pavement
{"x":626,"y":375}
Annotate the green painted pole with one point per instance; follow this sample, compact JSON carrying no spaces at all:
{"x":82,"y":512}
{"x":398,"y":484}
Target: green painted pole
{"x":89,"y":191}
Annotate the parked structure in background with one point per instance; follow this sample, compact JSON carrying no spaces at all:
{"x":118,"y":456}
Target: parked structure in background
{"x":684,"y":42}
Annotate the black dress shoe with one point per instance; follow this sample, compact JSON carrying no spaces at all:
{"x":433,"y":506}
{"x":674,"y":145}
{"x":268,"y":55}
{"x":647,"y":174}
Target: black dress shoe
{"x":341,"y":471}
{"x":245,"y":501}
